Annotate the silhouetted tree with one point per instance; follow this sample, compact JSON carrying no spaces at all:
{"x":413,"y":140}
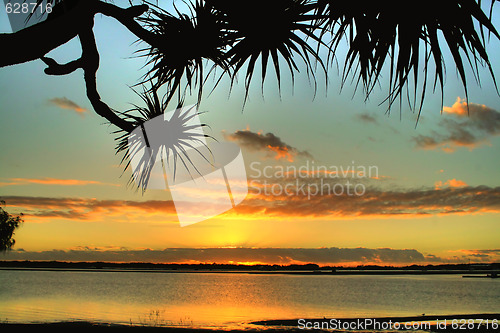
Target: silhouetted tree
{"x":8,"y":224}
{"x":182,"y":49}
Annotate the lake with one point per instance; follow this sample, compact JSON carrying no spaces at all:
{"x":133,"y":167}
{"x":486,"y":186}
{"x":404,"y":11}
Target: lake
{"x":225,"y":300}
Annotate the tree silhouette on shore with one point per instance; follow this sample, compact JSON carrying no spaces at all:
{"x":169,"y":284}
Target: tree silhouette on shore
{"x":8,"y":224}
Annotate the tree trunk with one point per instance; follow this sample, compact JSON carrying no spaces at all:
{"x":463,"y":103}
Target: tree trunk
{"x":34,"y":42}
{"x":69,"y":19}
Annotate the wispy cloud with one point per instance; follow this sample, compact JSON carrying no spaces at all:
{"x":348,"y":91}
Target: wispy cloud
{"x":89,"y":208}
{"x":474,"y":255}
{"x":268,"y":143}
{"x":486,"y":255}
{"x":67,"y":104}
{"x":258,"y":205}
{"x":374,"y":203}
{"x":463,"y":125}
{"x":52,"y":181}
{"x":367,"y":118}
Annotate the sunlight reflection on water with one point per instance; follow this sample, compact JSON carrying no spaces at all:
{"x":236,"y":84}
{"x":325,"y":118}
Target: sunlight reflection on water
{"x":218,"y":299}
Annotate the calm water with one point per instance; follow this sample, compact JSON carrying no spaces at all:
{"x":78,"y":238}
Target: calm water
{"x":215,"y":299}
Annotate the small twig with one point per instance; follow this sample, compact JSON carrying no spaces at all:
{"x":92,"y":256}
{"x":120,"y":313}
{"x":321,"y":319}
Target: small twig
{"x":55,"y":68}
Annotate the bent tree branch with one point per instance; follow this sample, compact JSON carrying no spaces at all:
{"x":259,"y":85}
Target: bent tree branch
{"x":76,"y":20}
{"x":227,"y":35}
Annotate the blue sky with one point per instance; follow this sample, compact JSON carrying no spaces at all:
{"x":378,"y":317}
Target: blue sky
{"x":40,"y":140}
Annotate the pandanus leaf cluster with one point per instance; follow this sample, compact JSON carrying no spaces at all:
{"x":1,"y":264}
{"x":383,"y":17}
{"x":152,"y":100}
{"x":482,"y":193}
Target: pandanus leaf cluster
{"x":399,"y":45}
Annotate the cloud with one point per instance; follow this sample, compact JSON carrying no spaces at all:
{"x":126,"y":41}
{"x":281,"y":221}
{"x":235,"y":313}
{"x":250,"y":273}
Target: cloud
{"x":268,"y":143}
{"x":367,"y":118}
{"x":478,"y":255}
{"x":90,"y":208}
{"x":449,"y":183}
{"x":458,"y":108}
{"x":64,"y":103}
{"x":308,"y":202}
{"x":482,"y":253}
{"x":283,"y":256}
{"x":260,"y":204}
{"x":52,"y":181}
{"x":463,"y":125}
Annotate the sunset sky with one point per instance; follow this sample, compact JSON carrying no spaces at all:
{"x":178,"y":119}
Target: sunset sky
{"x":435,"y":197}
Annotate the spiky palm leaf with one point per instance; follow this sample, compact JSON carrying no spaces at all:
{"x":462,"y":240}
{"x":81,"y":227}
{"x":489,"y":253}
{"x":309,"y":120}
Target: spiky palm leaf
{"x":278,"y":29}
{"x":181,"y":135}
{"x":394,"y":31}
{"x":184,"y":42}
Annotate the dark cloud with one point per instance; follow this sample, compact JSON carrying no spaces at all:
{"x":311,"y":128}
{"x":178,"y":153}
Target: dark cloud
{"x":367,"y":118}
{"x":451,"y":200}
{"x":282,"y":256}
{"x":374,"y":202}
{"x":268,"y":143}
{"x":489,"y":251}
{"x":82,"y":209}
{"x":462,"y":127}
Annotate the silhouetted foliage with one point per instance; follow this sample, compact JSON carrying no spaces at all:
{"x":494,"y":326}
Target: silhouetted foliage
{"x":8,"y":224}
{"x":410,"y":38}
{"x":406,"y":41}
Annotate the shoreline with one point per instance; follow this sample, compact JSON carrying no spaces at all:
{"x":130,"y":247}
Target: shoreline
{"x":271,"y":326}
{"x":257,"y":272}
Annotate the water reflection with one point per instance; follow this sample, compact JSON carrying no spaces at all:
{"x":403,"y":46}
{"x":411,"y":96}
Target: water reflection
{"x":219,"y":299}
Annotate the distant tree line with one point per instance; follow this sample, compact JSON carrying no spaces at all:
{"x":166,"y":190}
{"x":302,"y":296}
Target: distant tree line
{"x":238,"y":267}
